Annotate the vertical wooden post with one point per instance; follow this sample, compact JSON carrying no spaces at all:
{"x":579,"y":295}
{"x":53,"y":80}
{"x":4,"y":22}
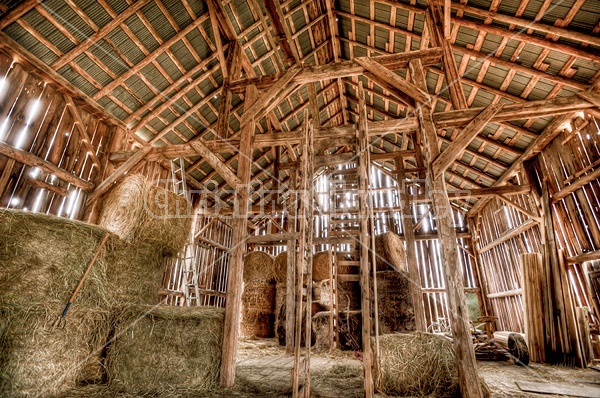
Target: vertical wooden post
{"x":236,"y":263}
{"x":463,"y":347}
{"x":411,"y":252}
{"x":290,"y":297}
{"x":365,"y":288}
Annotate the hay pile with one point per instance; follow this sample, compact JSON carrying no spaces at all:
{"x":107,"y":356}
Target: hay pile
{"x":321,"y":266}
{"x":390,"y":252}
{"x":350,"y":331}
{"x":258,"y":267}
{"x":137,"y":210}
{"x":321,"y":330}
{"x":418,"y":364}
{"x":161,"y":348}
{"x":348,"y":295}
{"x":396,"y":311}
{"x":258,"y":310}
{"x":37,"y":358}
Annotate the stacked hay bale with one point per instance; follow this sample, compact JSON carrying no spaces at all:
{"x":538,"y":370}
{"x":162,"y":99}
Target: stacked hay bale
{"x":418,"y":364}
{"x":348,"y":295}
{"x":43,"y":259}
{"x":258,"y":298}
{"x":395,"y":307}
{"x":280,"y":276}
{"x":165,"y":348}
{"x":390,"y":252}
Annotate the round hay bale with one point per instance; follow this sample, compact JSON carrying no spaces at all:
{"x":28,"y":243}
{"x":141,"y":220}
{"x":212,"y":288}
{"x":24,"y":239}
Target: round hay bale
{"x":280,"y":327}
{"x":161,"y":348}
{"x":390,"y":252}
{"x":137,"y":210}
{"x":280,"y":268}
{"x":396,"y":311}
{"x":259,"y":296}
{"x":316,"y":291}
{"x":322,"y":330}
{"x":417,"y":364}
{"x":348,"y":294}
{"x":38,"y":359}
{"x":258,"y":267}
{"x":255,"y":324}
{"x":321,"y":266}
{"x":123,"y":207}
{"x":350,"y":331}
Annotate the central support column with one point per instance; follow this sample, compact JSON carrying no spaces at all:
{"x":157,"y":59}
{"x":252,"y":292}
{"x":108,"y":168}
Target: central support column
{"x":236,"y":263}
{"x":461,"y":334}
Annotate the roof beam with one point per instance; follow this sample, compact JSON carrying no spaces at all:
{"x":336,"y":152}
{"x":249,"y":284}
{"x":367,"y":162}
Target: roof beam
{"x":456,"y":148}
{"x":96,"y":37}
{"x":18,"y":12}
{"x":151,"y":57}
{"x":341,"y":69}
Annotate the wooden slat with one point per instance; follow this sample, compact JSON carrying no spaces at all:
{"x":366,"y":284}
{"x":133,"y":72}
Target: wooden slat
{"x":47,"y":167}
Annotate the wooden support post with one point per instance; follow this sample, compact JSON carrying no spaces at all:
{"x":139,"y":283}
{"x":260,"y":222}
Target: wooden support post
{"x":290,"y":298}
{"x":226,"y":94}
{"x":365,"y":288}
{"x":411,"y":251}
{"x":461,"y":335}
{"x":236,"y":262}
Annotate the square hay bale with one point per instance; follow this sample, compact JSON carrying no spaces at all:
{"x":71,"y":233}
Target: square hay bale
{"x":43,"y":258}
{"x":39,"y":359}
{"x":161,"y":348}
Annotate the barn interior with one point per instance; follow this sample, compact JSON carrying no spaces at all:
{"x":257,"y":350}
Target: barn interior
{"x":299,"y":198}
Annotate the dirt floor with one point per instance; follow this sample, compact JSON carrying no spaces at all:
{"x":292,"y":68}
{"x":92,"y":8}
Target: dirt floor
{"x":264,"y":370}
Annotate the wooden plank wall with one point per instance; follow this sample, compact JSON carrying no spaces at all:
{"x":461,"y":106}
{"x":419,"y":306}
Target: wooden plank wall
{"x":500,"y":263}
{"x":575,"y":154}
{"x":36,"y":119}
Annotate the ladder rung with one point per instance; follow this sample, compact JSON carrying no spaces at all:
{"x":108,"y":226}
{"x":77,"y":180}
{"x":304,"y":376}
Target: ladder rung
{"x":348,"y":277}
{"x":348,"y":263}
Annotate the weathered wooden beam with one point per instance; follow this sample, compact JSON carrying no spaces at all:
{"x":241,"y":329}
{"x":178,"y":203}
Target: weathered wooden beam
{"x":87,"y":142}
{"x":96,"y":37}
{"x":456,"y":148}
{"x":461,"y":335}
{"x":575,"y":185}
{"x":310,"y":74}
{"x":47,"y":167}
{"x":584,"y":257}
{"x":216,"y":163}
{"x":118,"y":173}
{"x":362,"y":170}
{"x":236,"y":263}
{"x":394,"y":80}
{"x":508,"y":235}
{"x":18,"y":12}
{"x":151,"y":57}
{"x":283,"y":237}
{"x":269,"y":99}
{"x":25,"y":58}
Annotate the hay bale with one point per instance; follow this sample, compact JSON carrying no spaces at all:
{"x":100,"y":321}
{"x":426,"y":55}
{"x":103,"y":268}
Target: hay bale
{"x":350,"y":332}
{"x":396,"y":311}
{"x":137,"y":210}
{"x":347,"y":269}
{"x":280,"y":327}
{"x":38,"y":359}
{"x":43,"y":258}
{"x":280,"y":296}
{"x":348,"y":295}
{"x":280,"y":268}
{"x":258,"y":310}
{"x":159,"y":348}
{"x":321,"y":266}
{"x":417,"y":364}
{"x":322,"y":331}
{"x":258,"y":267}
{"x":390,"y":252}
